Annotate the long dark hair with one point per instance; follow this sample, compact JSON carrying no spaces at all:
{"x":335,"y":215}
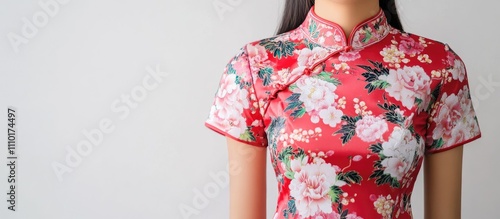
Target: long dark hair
{"x":295,"y":12}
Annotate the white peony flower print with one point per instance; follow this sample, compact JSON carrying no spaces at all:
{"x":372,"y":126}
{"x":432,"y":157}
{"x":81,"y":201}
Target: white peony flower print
{"x":370,"y":128}
{"x":408,"y":83}
{"x":331,"y":116}
{"x":319,"y":99}
{"x":297,"y":164}
{"x":310,"y":188}
{"x":400,"y":151}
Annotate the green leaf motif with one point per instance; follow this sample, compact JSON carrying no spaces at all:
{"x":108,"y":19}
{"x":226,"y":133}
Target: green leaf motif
{"x":382,"y":178}
{"x":309,"y":44}
{"x":418,"y":101}
{"x":289,"y":174}
{"x":274,"y":128}
{"x":291,"y":209}
{"x":394,"y":117}
{"x":292,"y":87}
{"x":291,"y":206}
{"x":247,"y":135}
{"x":279,"y":49}
{"x":265,"y":75}
{"x":349,"y":129}
{"x":434,"y":96}
{"x":313,"y":29}
{"x":372,"y":76}
{"x":335,"y":193}
{"x":298,"y":113}
{"x":380,"y":84}
{"x":286,"y":155}
{"x":295,"y":105}
{"x":350,"y":177}
{"x":230,"y":69}
{"x":376,"y":148}
{"x":326,"y":76}
{"x":436,"y":144}
{"x":378,"y":164}
{"x":368,"y":36}
{"x":412,"y":130}
{"x":377,"y":24}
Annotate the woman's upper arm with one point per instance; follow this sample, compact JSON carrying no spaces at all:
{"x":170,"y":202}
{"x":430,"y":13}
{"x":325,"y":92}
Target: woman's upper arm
{"x":443,"y":184}
{"x":247,"y":172}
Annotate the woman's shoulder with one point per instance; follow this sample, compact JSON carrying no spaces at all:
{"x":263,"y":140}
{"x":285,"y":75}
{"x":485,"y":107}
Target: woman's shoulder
{"x":279,"y":45}
{"x":421,"y":43}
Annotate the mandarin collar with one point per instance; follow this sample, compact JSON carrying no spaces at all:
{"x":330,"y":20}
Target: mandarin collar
{"x":331,"y":35}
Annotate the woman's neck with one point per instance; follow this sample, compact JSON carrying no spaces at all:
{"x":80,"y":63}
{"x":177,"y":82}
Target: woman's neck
{"x":346,"y":13}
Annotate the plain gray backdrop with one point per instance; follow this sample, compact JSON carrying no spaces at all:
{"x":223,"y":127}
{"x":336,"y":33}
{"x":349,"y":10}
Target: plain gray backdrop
{"x":111,"y":97}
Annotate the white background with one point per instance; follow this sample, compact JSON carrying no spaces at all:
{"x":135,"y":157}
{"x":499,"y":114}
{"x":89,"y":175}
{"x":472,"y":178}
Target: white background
{"x":65,"y":78}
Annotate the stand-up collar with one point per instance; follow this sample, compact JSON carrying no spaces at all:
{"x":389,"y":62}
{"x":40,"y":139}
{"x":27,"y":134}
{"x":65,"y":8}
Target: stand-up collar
{"x":330,"y":34}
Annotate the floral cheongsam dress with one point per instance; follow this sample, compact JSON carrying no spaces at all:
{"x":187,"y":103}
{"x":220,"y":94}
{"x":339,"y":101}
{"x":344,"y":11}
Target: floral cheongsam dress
{"x":347,"y":121}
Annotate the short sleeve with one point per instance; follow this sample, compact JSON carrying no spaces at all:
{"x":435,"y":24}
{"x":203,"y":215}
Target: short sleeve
{"x":235,"y":111}
{"x":452,"y":121}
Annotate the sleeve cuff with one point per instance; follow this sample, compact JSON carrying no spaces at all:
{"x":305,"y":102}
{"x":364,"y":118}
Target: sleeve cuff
{"x":453,"y":146}
{"x":224,"y":133}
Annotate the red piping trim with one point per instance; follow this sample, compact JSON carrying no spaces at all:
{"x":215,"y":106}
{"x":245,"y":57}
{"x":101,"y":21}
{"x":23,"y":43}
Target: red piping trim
{"x":348,"y":40}
{"x":224,"y":133}
{"x":453,"y":146}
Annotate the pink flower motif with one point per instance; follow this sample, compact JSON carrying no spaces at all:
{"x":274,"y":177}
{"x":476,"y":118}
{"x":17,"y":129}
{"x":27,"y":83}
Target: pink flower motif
{"x":282,"y":76}
{"x":395,"y":167}
{"x":449,"y":112}
{"x":242,"y":67}
{"x":310,"y":187}
{"x":454,"y":118}
{"x":349,"y":56}
{"x":257,"y":56}
{"x":411,"y":47}
{"x":458,"y":70}
{"x":308,"y":57}
{"x":230,"y":102}
{"x":296,"y":35}
{"x":357,"y":158}
{"x":335,"y":215}
{"x":370,"y":128}
{"x":450,"y":58}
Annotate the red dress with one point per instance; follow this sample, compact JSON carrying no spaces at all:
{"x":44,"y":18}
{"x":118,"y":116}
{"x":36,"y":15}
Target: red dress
{"x":347,"y":122}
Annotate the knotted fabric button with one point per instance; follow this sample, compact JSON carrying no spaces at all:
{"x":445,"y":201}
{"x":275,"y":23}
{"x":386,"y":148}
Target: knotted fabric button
{"x":307,"y":71}
{"x":280,"y":86}
{"x":347,"y":48}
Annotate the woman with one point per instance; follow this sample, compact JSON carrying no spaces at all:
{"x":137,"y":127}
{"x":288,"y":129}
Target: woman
{"x":349,"y":105}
